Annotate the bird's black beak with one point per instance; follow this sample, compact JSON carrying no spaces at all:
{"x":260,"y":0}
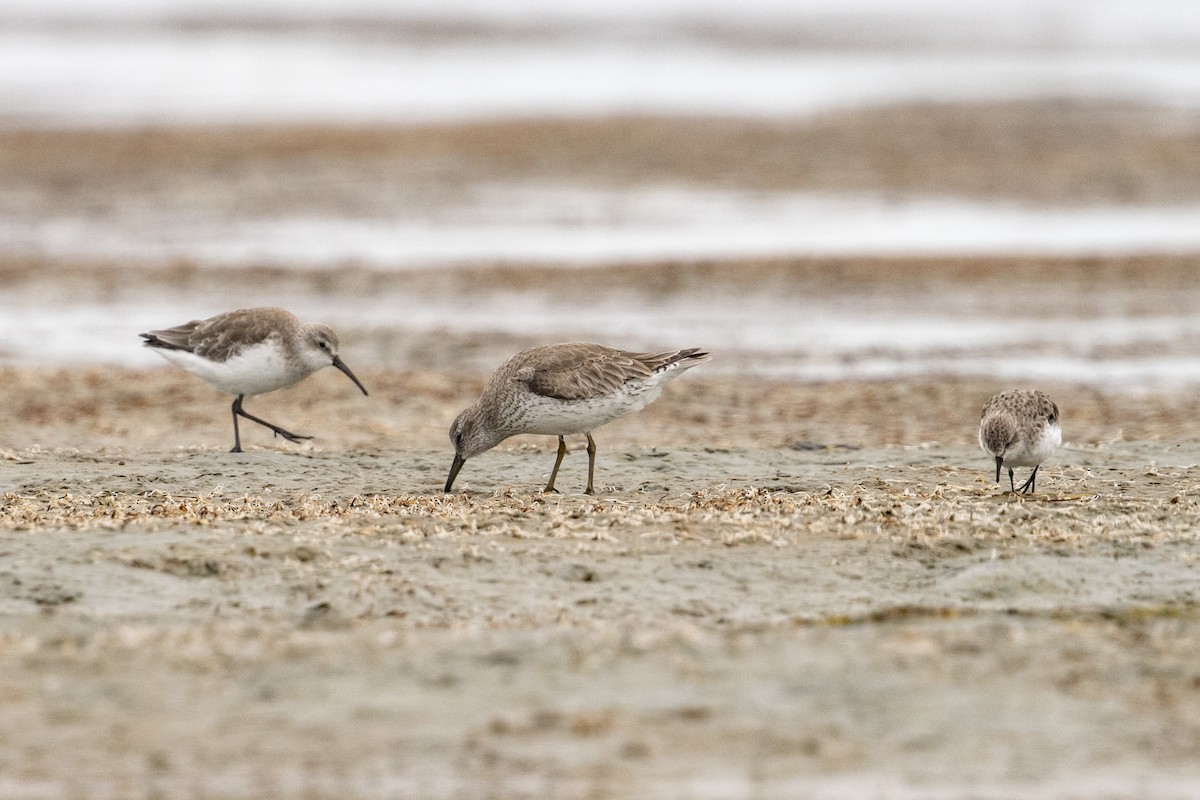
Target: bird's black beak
{"x":999,"y":461}
{"x":454,"y":468}
{"x":337,"y":362}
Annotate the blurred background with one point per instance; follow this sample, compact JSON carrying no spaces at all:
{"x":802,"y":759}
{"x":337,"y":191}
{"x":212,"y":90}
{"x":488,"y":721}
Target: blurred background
{"x":815,"y":190}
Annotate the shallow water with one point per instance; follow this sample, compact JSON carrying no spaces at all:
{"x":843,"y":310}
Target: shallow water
{"x":73,"y":62}
{"x":751,"y":332}
{"x":568,"y":226}
{"x":169,"y":62}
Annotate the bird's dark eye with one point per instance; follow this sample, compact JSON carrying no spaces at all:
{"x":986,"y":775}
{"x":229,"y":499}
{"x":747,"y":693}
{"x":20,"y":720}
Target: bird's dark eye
{"x":321,"y":344}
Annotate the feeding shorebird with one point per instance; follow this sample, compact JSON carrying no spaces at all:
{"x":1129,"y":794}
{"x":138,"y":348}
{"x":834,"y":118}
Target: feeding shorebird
{"x":251,"y":351}
{"x":563,"y":389}
{"x":1020,"y":429}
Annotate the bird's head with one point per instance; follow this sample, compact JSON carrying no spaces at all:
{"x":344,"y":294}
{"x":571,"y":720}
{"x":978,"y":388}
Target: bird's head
{"x":470,"y":437}
{"x":321,"y":350}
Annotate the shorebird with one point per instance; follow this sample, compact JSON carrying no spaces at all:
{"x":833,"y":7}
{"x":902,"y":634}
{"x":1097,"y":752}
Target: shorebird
{"x":563,"y":389}
{"x":251,"y":351}
{"x":1019,"y":429}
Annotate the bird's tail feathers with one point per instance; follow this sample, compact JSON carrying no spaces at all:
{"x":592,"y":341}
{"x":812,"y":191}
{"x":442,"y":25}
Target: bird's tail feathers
{"x":681,"y":359}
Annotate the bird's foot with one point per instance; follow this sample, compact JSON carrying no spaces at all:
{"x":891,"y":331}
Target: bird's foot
{"x":291,"y":437}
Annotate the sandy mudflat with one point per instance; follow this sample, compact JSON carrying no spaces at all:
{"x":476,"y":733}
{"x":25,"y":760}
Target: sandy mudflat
{"x":781,"y":590}
{"x":1040,"y":151}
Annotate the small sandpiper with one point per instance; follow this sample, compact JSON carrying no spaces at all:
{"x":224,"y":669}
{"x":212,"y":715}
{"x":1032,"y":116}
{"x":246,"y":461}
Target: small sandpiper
{"x":563,"y":389}
{"x":251,"y":351}
{"x":1020,"y":429}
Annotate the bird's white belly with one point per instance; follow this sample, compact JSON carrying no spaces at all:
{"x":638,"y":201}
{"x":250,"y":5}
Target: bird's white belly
{"x":255,"y":370}
{"x":1037,"y":451}
{"x":560,"y":417}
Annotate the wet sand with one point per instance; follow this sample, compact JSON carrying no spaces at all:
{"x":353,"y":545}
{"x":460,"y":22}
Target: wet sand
{"x":782,"y":589}
{"x":772,"y":594}
{"x":1043,"y":152}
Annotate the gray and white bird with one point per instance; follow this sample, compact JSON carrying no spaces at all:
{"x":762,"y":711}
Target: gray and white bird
{"x":251,"y":351}
{"x":1020,"y":428}
{"x":563,"y":389}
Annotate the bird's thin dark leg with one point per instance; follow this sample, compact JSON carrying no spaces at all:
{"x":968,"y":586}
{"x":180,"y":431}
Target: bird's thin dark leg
{"x":1029,"y":484}
{"x":562,"y":452}
{"x":239,"y":411}
{"x":237,"y":439}
{"x":591,"y":451}
{"x":1011,"y":482}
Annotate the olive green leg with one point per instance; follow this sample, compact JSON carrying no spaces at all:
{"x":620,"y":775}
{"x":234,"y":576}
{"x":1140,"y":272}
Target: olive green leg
{"x":591,"y":451}
{"x":562,"y":452}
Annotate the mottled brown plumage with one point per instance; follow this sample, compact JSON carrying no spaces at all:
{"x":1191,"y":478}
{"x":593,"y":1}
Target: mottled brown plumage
{"x":225,"y":335}
{"x":563,"y":389}
{"x":250,"y":351}
{"x":581,"y":371}
{"x":1020,"y":428}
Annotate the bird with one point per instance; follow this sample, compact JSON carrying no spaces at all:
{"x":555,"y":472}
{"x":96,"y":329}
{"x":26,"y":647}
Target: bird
{"x":251,"y":351}
{"x":1020,"y":428}
{"x":563,"y":389}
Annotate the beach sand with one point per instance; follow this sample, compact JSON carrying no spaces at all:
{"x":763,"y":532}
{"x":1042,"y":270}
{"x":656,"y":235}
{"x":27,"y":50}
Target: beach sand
{"x":782,"y":588}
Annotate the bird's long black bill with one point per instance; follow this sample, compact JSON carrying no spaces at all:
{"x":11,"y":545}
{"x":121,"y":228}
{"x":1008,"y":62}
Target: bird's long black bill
{"x":999,"y":461}
{"x":454,"y":468}
{"x":337,"y":362}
